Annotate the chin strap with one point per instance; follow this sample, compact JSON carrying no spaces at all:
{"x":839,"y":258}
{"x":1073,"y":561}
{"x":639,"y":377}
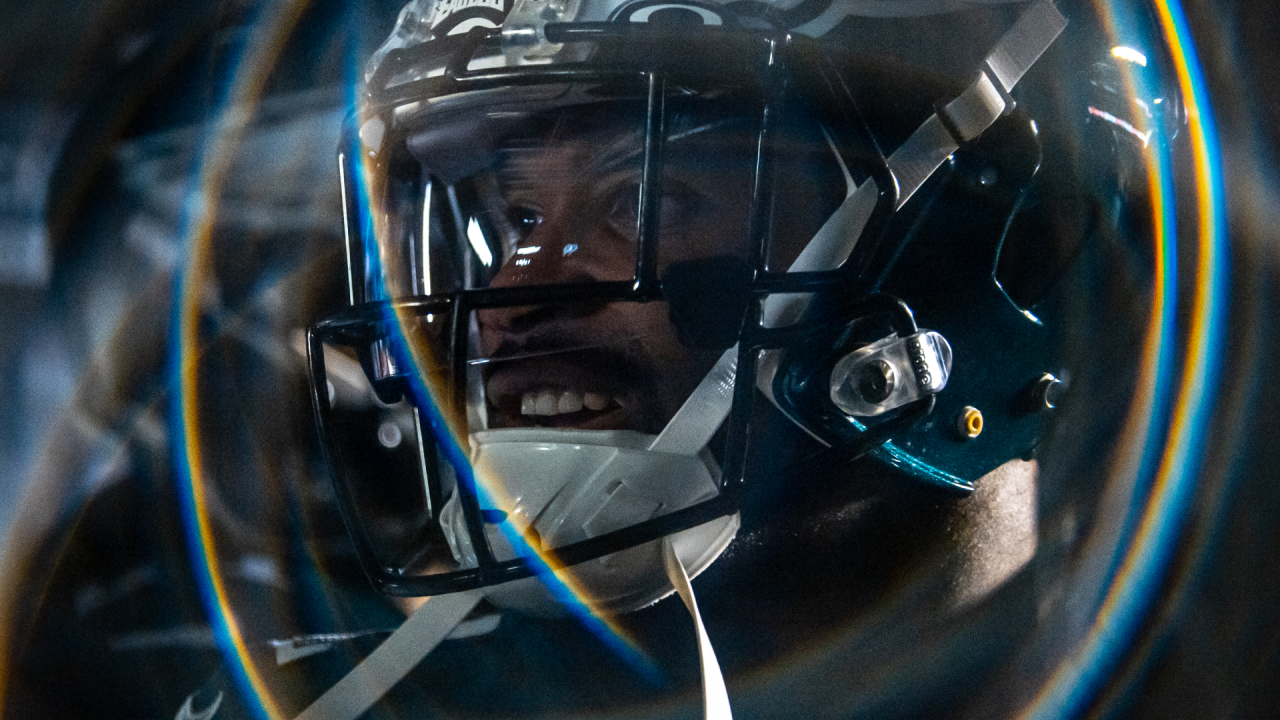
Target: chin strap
{"x":432,"y":622}
{"x":367,"y":682}
{"x":700,"y":416}
{"x":715,"y":699}
{"x":981,"y":104}
{"x":959,"y":121}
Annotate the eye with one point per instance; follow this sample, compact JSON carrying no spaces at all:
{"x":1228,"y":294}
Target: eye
{"x":679,"y":205}
{"x":524,"y":219}
{"x":624,"y":209}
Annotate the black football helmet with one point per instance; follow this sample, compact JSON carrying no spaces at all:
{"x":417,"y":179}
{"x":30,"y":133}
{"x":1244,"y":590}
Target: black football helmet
{"x":597,"y":248}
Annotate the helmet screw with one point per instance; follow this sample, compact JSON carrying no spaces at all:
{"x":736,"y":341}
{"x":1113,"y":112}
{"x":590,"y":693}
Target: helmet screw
{"x":1048,"y":392}
{"x":389,"y":435}
{"x":876,"y":380}
{"x":969,"y":422}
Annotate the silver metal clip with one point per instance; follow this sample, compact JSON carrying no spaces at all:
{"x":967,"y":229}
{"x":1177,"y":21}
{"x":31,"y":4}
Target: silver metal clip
{"x":890,"y":373}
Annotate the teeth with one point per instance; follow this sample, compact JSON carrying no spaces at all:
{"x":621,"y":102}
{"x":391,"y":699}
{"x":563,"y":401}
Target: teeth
{"x":570,"y":402}
{"x":548,"y":402}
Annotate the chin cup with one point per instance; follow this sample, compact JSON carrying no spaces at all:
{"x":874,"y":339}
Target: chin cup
{"x":547,"y":488}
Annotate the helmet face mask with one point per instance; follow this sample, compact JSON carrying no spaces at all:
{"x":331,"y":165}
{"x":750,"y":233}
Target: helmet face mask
{"x":587,"y":315}
{"x":560,"y":267}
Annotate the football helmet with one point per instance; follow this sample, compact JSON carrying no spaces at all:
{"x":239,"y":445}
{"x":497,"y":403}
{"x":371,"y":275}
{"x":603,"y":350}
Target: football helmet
{"x":595,"y":247}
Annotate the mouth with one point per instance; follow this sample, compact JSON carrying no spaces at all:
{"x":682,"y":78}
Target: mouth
{"x":586,"y":389}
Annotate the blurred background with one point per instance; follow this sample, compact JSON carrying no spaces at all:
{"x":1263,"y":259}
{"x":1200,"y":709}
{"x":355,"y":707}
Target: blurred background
{"x":105,"y":116}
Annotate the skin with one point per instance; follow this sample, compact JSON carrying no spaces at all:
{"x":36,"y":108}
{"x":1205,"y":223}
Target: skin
{"x":573,"y":203}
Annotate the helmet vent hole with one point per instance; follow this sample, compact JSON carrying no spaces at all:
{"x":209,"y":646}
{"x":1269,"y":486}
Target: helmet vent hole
{"x":675,"y":17}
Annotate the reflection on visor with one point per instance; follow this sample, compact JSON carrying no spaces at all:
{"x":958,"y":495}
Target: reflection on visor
{"x":470,"y":192}
{"x":526,"y":355}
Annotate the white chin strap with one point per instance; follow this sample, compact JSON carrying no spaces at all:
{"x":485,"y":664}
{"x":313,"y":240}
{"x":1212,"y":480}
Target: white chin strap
{"x":432,"y":622}
{"x":715,"y":698}
{"x":958,"y":122}
{"x":416,"y":637}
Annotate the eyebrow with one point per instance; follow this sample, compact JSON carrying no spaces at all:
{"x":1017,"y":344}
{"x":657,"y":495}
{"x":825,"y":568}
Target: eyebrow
{"x":523,"y":166}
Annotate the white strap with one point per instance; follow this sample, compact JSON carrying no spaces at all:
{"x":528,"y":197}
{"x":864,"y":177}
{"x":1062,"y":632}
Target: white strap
{"x":367,"y":682}
{"x":715,"y":698}
{"x":828,"y":249}
{"x":699,"y":417}
{"x":966,"y":117}
{"x":1025,"y":42}
{"x":709,"y":404}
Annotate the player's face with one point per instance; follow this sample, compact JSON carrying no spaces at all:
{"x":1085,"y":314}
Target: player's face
{"x":573,"y":203}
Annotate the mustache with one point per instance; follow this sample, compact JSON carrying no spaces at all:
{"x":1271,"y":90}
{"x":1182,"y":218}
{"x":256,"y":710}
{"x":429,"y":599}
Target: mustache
{"x":549,"y":341}
{"x":623,"y":359}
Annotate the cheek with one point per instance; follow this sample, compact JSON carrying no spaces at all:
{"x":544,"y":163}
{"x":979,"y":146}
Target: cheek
{"x":676,"y":368}
{"x":722,"y":232}
{"x":712,"y":215}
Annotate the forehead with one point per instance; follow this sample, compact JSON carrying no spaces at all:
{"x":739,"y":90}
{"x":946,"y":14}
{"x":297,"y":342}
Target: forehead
{"x":571,"y":146}
{"x":591,"y":126}
{"x":602,"y":140}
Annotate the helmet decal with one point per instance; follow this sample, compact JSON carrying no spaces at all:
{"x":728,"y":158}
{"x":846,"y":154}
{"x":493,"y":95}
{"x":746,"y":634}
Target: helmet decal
{"x":681,"y":13}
